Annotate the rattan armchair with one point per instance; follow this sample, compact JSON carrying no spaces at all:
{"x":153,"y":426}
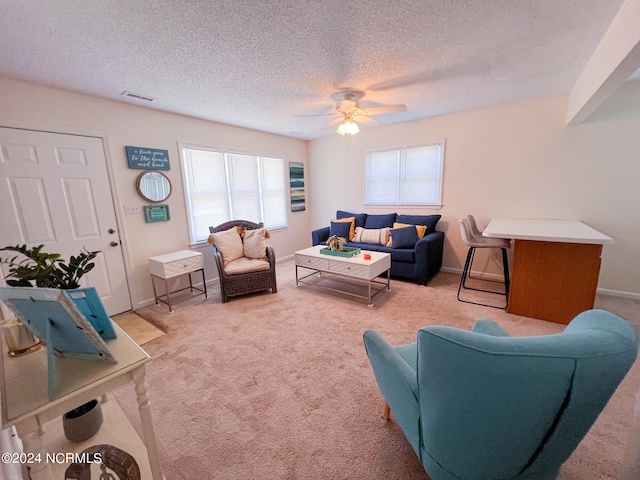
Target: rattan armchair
{"x":247,"y":282}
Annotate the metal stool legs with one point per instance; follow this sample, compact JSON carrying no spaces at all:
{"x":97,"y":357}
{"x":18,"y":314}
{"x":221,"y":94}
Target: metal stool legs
{"x":466,"y":273}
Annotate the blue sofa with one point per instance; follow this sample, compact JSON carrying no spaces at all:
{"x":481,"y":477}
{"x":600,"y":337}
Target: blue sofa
{"x":418,"y":263}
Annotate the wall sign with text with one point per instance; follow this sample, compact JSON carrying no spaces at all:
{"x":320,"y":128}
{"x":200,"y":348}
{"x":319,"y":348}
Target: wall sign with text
{"x":148,"y":158}
{"x":156,"y":213}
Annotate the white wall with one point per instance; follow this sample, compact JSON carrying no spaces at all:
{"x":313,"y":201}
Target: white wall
{"x":516,"y":160}
{"x":37,"y":107}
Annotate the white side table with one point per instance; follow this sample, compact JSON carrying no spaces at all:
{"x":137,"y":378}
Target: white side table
{"x":172,"y":265}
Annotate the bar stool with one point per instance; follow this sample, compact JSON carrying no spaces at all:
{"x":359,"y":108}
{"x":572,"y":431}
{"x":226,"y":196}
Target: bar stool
{"x":473,"y":238}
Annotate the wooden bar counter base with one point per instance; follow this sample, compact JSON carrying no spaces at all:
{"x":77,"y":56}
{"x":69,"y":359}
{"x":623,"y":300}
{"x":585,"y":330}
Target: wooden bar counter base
{"x":552,"y":280}
{"x":556,"y":265}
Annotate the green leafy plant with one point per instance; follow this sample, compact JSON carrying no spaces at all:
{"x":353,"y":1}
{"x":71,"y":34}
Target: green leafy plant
{"x":46,"y":270}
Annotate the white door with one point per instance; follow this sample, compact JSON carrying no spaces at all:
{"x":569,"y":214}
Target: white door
{"x":54,"y":190}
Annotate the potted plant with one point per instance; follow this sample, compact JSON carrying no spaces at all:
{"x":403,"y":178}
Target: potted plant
{"x":48,"y":270}
{"x":35,"y":268}
{"x":336,"y":243}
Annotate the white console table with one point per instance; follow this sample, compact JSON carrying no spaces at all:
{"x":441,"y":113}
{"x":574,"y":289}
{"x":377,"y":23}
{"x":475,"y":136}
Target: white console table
{"x":26,"y":403}
{"x":173,"y":265}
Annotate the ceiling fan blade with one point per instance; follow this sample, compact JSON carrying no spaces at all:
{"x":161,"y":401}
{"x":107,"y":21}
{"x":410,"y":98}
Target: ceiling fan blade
{"x":333,"y":124}
{"x":366,"y":120}
{"x":381,"y":110}
{"x":320,"y":115}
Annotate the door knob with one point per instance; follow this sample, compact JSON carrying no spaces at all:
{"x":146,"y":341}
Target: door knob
{"x":111,"y":231}
{"x":114,"y":244}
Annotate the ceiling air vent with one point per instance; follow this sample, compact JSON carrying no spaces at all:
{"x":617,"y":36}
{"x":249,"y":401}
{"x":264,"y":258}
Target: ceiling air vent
{"x":137,"y":96}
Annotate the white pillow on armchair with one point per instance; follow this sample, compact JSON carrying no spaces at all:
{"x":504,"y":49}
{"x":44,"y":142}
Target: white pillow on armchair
{"x":255,"y":243}
{"x":229,"y":243}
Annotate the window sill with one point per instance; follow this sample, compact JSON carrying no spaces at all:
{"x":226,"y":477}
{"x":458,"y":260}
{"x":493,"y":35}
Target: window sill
{"x":403,"y":207}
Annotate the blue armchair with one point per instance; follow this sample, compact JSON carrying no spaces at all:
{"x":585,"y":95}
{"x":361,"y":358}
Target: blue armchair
{"x":482,"y":405}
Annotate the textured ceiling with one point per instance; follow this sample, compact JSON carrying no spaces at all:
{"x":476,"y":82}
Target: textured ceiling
{"x":261,"y":64}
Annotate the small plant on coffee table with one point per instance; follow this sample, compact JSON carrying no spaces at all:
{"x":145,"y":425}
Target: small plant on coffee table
{"x":336,"y":243}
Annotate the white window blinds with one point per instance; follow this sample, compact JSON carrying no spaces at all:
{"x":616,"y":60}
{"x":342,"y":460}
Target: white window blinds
{"x":223,"y":186}
{"x":405,"y":176}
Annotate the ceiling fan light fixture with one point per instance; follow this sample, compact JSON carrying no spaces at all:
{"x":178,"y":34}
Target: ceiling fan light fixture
{"x":348,"y":127}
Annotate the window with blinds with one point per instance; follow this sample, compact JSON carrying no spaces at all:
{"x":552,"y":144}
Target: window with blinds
{"x":405,"y":176}
{"x":223,"y":186}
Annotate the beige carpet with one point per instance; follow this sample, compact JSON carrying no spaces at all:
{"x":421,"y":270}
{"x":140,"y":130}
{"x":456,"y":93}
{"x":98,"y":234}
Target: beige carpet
{"x":278,"y":386}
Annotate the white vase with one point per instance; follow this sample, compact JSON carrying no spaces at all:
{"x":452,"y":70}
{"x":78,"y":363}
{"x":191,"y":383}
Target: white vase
{"x":19,"y":338}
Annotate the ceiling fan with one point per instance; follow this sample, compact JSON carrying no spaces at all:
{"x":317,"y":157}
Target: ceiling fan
{"x":349,"y":109}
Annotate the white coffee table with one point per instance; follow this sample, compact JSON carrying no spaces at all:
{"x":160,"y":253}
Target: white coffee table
{"x":355,"y":267}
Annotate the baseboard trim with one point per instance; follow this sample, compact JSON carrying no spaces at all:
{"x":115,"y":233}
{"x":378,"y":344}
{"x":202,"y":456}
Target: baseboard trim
{"x":599,"y":291}
{"x":213,"y":281}
{"x":481,"y":275}
{"x":618,"y":293}
{"x":151,"y":301}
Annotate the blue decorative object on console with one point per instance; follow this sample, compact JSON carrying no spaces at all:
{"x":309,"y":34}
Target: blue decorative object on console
{"x":88,"y":302}
{"x":54,"y":317}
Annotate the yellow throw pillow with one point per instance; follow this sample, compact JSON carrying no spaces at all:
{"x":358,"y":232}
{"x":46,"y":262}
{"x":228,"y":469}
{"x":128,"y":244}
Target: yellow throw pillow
{"x":352,"y":230}
{"x":421,"y":229}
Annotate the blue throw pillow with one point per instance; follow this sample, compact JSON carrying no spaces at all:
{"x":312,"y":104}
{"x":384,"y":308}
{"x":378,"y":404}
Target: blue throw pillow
{"x":380,"y":221}
{"x":429,"y":220}
{"x":360,"y":217}
{"x":404,"y":237}
{"x":340,"y":229}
